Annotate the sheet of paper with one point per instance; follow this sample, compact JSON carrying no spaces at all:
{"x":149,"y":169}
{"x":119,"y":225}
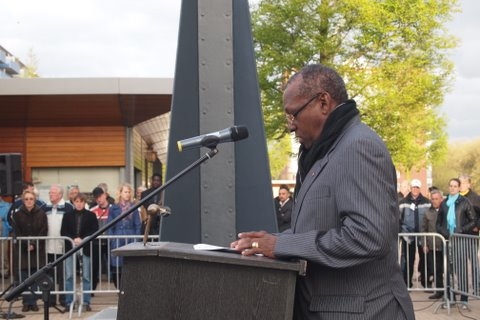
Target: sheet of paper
{"x":209,"y":247}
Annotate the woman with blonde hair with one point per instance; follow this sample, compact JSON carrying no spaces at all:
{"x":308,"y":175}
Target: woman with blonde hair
{"x":128,"y":226}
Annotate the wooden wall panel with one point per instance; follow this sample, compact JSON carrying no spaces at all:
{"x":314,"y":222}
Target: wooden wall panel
{"x":75,"y":146}
{"x":12,"y":140}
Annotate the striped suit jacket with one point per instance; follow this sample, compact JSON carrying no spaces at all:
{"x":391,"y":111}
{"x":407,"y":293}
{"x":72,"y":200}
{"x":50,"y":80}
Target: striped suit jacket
{"x":345,"y":224}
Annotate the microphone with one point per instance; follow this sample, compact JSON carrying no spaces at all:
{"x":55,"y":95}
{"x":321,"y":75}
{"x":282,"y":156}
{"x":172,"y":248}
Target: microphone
{"x":211,"y":140}
{"x":154,"y":209}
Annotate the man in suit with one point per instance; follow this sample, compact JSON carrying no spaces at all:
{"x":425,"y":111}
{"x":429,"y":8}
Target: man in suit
{"x":345,"y":214}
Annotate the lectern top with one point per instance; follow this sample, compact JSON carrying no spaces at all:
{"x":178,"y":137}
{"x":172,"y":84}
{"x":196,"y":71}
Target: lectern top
{"x":187,"y":252}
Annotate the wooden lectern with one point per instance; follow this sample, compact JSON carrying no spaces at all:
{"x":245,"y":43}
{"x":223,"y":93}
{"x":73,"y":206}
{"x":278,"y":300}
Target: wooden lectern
{"x":167,"y":280}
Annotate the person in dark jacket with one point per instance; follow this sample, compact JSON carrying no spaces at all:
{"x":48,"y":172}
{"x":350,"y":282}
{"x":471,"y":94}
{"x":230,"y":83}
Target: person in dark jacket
{"x":472,"y":196}
{"x":156,"y":181}
{"x":283,"y":208}
{"x":433,"y":246}
{"x":456,"y":215}
{"x":77,"y":225}
{"x":412,"y":211}
{"x":29,"y":255}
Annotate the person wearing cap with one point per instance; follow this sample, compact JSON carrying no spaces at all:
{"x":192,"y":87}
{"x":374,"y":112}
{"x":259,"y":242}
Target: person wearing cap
{"x":102,"y":210}
{"x":412,"y":211}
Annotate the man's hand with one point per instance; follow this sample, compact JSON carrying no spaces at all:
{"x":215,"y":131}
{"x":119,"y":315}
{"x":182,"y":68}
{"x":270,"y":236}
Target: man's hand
{"x":253,"y":242}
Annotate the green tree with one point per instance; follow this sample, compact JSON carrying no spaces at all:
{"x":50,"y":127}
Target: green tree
{"x":393,"y":55}
{"x":462,"y":158}
{"x":278,"y":153}
{"x":31,"y":65}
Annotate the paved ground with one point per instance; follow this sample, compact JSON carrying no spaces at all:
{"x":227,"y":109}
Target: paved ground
{"x":426,"y":309}
{"x":99,"y":303}
{"x":103,"y":307}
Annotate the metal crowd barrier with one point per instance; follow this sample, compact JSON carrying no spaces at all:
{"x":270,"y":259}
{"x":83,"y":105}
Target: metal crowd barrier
{"x":11,"y":261}
{"x":464,"y":261}
{"x":452,"y":270}
{"x":422,"y":269}
{"x":105,"y":269}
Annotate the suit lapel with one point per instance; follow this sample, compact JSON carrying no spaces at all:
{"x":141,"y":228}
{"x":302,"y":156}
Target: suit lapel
{"x":309,"y":179}
{"x":314,"y":173}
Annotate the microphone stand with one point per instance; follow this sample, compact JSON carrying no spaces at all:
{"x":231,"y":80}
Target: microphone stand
{"x":40,"y":276}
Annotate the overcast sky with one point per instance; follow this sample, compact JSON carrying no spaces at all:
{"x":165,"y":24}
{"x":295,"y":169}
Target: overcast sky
{"x":123,"y":38}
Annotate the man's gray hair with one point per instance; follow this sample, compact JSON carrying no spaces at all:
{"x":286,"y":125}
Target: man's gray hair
{"x":318,"y":77}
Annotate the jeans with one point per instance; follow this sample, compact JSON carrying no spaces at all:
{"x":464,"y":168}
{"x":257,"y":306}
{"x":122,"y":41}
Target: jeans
{"x":29,"y":299}
{"x":70,"y":276}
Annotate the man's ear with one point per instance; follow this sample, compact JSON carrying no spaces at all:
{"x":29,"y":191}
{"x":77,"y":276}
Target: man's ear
{"x":327,"y":103}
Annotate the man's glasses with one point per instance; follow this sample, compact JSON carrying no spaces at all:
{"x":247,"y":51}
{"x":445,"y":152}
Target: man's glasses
{"x":291,"y":117}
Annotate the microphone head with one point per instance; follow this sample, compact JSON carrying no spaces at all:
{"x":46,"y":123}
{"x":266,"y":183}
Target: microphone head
{"x":239,"y":133}
{"x":165,"y":211}
{"x":155,"y":209}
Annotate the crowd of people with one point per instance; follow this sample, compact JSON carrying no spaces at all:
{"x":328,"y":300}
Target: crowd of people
{"x":73,"y":217}
{"x":344,"y":216}
{"x":456,"y":213}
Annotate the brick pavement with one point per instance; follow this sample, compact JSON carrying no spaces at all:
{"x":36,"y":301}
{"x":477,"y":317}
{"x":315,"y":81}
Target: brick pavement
{"x":424,"y":309}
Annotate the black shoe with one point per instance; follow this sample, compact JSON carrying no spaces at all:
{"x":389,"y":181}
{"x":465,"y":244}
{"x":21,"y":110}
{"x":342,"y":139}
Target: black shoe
{"x":88,"y":308}
{"x":34,"y":308}
{"x":25,"y":308}
{"x":437,"y":295}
